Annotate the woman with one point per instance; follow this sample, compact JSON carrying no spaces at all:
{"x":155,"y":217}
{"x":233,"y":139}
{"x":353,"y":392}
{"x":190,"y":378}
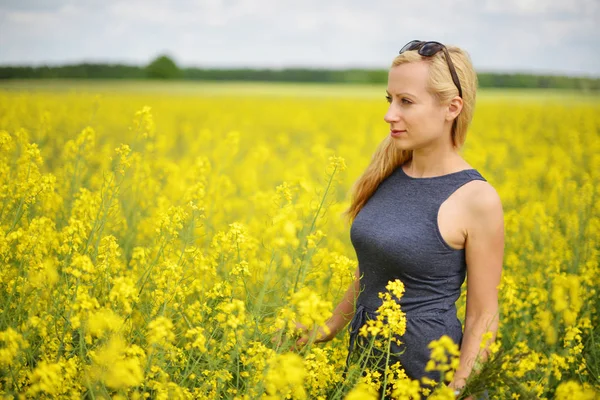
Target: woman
{"x":420,"y":213}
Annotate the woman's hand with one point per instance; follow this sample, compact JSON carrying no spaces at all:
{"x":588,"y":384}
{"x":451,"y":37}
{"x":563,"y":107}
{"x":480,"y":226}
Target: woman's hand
{"x":316,"y":335}
{"x":458,"y":384}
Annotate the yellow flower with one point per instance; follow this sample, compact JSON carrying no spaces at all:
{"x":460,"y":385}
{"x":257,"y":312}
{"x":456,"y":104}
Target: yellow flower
{"x":362,"y":391}
{"x":485,"y":338}
{"x":160,"y":331}
{"x":390,"y":321}
{"x":46,"y":378}
{"x":124,"y":293}
{"x":114,"y":365}
{"x":285,"y":376}
{"x":143,"y":123}
{"x":310,"y":308}
{"x":11,"y":344}
{"x":573,"y":390}
{"x":444,"y":357}
{"x":442,"y":393}
{"x":198,"y":340}
{"x":104,"y":320}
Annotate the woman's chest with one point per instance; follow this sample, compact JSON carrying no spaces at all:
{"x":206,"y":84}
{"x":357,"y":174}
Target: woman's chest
{"x":409,"y":231}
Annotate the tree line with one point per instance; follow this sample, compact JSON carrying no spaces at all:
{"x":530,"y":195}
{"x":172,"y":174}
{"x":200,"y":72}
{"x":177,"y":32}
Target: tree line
{"x":165,"y":68}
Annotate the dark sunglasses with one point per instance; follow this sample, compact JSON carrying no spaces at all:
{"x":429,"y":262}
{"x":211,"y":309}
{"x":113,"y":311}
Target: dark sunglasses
{"x":428,"y":49}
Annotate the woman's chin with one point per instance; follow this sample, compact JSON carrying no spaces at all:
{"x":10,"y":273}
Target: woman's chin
{"x":401,"y":144}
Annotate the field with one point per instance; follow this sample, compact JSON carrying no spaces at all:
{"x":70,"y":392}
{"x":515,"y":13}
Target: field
{"x":155,"y":237}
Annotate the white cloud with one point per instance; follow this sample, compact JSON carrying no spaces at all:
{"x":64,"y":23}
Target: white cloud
{"x":543,"y":7}
{"x":536,"y":35}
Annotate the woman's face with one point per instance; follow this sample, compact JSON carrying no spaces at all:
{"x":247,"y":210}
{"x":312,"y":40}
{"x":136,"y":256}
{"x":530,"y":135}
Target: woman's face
{"x":416,"y":118}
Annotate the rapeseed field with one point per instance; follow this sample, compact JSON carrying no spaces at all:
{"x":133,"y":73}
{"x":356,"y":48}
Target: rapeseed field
{"x":154,"y":242}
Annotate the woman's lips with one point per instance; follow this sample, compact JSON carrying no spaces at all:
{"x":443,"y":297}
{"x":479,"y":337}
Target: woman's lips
{"x":396,"y":132}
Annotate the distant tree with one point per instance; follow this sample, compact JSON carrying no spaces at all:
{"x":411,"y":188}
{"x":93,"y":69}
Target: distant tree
{"x":163,"y":67}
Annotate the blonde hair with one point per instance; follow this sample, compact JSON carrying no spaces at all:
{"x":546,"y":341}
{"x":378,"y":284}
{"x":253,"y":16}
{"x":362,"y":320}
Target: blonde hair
{"x":387,"y":157}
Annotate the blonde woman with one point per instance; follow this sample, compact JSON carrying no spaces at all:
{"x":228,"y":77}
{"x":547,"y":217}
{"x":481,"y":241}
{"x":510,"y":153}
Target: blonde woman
{"x":422,"y":214}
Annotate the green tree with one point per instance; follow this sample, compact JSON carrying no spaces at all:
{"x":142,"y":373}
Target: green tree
{"x":163,"y":67}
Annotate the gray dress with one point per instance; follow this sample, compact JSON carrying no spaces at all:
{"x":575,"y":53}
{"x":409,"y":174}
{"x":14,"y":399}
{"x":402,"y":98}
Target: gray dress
{"x":396,"y":236}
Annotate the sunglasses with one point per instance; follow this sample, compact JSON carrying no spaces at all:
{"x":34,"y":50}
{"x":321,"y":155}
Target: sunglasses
{"x":428,"y":49}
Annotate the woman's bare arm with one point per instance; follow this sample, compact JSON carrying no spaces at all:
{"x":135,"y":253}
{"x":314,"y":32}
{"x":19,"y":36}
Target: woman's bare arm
{"x":344,"y":311}
{"x":340,"y":317}
{"x":484,"y":257}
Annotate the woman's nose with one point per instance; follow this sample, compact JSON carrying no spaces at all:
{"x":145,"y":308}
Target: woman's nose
{"x":392,"y":115}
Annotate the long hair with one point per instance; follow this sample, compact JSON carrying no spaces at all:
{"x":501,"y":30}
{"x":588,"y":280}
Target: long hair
{"x":387,"y":157}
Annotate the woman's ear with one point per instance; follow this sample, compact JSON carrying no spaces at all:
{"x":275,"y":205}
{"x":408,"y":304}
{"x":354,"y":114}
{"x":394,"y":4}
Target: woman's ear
{"x":454,"y":108}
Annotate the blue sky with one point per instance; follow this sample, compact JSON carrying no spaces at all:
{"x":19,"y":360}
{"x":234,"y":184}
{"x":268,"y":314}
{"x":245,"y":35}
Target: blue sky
{"x":541,"y":36}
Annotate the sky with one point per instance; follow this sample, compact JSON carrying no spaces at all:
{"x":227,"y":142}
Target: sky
{"x":539,"y":36}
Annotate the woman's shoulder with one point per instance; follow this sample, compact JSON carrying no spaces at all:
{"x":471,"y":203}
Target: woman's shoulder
{"x":482,"y":198}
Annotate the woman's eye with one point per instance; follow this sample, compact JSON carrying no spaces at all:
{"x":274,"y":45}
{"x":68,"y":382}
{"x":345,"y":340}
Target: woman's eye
{"x":406,"y":101}
{"x":388,"y":98}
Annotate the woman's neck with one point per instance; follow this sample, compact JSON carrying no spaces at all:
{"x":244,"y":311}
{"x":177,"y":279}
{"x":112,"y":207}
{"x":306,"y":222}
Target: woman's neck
{"x":426,"y":163}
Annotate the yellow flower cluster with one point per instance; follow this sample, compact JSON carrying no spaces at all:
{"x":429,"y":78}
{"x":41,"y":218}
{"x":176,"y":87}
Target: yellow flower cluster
{"x":444,"y":357}
{"x":390,"y":322}
{"x":160,"y":331}
{"x":285,"y":377}
{"x":573,"y":390}
{"x":12,"y":345}
{"x":152,"y":245}
{"x":116,"y":366}
{"x":362,"y":391}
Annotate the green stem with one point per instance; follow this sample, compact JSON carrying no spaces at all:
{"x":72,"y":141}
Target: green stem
{"x":312,"y":226}
{"x":387,"y":361}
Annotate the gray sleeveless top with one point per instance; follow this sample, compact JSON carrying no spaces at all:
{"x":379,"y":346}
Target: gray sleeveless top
{"x":396,"y":236}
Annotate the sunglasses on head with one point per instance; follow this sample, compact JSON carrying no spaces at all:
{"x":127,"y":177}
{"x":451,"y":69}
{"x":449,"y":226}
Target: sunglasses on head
{"x":428,"y":49}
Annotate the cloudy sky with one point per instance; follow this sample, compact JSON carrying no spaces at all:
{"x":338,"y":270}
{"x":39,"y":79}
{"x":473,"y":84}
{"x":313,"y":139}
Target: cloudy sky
{"x":543,"y":36}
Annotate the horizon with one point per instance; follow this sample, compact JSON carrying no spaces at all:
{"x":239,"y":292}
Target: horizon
{"x":291,"y":67}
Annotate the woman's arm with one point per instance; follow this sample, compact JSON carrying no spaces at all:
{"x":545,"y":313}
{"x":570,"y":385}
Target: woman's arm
{"x":342,"y":314}
{"x":344,"y":311}
{"x":484,"y":251}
